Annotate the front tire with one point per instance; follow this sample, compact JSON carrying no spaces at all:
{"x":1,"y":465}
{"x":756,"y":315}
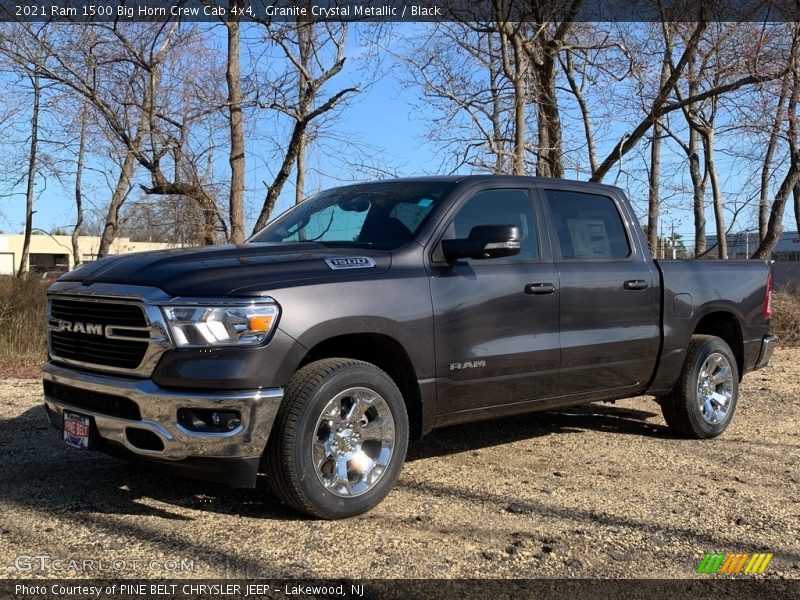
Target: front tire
{"x":703,"y":401}
{"x":339,"y":440}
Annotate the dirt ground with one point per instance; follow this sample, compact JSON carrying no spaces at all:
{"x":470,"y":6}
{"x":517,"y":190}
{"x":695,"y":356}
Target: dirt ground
{"x":597,"y":491}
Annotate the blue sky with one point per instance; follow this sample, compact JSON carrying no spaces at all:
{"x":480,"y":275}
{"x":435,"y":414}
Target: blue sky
{"x":384,"y":121}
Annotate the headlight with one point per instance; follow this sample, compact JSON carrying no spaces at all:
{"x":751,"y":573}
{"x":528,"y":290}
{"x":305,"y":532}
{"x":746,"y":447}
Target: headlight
{"x":203,"y":326}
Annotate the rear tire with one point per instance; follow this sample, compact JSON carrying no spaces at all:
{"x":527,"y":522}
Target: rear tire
{"x":339,"y":440}
{"x":703,"y":401}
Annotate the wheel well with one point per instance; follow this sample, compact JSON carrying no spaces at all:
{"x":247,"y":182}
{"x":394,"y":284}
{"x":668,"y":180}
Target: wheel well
{"x":724,"y":325}
{"x":385,"y":353}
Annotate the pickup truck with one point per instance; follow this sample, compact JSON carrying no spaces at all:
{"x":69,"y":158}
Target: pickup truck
{"x":377,"y":312}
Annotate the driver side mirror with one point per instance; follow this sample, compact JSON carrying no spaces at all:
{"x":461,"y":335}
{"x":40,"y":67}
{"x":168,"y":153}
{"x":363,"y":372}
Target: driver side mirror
{"x":484,"y":241}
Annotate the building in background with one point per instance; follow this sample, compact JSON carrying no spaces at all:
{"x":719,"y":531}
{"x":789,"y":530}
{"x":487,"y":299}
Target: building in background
{"x":785,"y":257}
{"x":54,"y":252}
{"x":742,"y":245}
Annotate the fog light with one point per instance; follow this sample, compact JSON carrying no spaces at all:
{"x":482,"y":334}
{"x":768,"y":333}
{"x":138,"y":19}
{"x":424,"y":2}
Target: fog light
{"x":226,"y":421}
{"x":209,"y":421}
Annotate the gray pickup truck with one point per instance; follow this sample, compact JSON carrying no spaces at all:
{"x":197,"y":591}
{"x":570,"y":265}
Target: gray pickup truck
{"x":376,"y":312}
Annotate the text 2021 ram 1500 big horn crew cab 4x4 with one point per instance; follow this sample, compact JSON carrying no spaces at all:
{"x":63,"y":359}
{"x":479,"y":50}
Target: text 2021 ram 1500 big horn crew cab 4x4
{"x":376,"y":312}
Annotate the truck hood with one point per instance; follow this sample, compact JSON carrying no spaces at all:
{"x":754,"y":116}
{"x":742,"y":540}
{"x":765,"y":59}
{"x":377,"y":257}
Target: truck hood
{"x":222,"y":270}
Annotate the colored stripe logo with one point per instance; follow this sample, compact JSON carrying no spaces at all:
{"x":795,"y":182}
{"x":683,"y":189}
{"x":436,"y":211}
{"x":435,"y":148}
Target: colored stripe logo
{"x":733,"y":563}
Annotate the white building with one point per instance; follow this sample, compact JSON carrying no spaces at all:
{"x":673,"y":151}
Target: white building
{"x":54,"y":252}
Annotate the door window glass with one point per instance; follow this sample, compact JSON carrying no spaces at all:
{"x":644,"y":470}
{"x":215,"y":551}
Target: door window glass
{"x":587,"y":226}
{"x":499,"y":207}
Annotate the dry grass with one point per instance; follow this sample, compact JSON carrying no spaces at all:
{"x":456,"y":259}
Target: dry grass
{"x":786,"y":317}
{"x":22,"y":325}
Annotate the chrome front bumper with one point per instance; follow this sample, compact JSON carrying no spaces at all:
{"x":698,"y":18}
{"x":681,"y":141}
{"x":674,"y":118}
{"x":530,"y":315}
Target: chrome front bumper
{"x":159,"y":415}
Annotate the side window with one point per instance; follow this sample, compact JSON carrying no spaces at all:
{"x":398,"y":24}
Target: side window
{"x":499,"y":207}
{"x":587,"y":226}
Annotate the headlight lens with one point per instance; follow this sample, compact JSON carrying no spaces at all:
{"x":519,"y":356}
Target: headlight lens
{"x":203,"y":326}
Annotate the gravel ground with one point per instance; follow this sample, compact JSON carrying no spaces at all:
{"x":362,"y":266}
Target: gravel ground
{"x":596,"y":491}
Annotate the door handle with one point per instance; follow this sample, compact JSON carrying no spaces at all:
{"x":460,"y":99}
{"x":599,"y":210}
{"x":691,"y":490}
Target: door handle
{"x":540,"y":289}
{"x":636,"y":284}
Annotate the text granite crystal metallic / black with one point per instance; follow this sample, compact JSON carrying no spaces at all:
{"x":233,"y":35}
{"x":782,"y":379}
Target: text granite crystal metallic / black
{"x":376,"y":312}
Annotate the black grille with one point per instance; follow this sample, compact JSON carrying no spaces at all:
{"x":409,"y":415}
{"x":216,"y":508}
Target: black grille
{"x":96,"y":349}
{"x":98,"y":402}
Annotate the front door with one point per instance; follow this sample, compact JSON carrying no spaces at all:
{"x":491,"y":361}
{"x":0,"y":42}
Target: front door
{"x":496,"y":320}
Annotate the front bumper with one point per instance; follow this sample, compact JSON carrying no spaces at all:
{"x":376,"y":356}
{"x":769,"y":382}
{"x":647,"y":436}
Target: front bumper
{"x":158,"y":410}
{"x":767,"y":348}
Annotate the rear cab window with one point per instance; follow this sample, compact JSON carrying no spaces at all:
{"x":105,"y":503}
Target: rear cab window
{"x":586,"y":226}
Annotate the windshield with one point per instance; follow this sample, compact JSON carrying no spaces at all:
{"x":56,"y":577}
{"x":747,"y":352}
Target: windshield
{"x":375,"y":215}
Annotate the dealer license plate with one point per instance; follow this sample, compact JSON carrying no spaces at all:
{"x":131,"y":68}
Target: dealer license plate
{"x":77,"y":430}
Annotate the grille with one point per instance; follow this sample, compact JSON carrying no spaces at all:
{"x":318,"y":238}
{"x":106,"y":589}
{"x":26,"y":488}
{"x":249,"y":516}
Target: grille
{"x":106,"y":404}
{"x":95,"y":349}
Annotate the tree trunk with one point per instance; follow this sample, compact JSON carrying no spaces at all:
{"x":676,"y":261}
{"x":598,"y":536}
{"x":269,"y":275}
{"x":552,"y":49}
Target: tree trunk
{"x":716,"y":192}
{"x":796,"y":194}
{"x":76,"y":231}
{"x":585,"y":115}
{"x":121,"y":190}
{"x":237,"y":151}
{"x":520,"y":106}
{"x":774,"y":227}
{"x":26,"y":243}
{"x":283,"y":174}
{"x":698,"y":194}
{"x":792,"y":180}
{"x":653,"y":200}
{"x":290,"y":158}
{"x":515,"y":71}
{"x":304,"y":39}
{"x":763,"y":199}
{"x":300,"y":175}
{"x":498,"y":140}
{"x":549,"y":163}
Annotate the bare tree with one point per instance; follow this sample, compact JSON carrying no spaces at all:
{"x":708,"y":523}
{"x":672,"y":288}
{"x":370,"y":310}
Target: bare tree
{"x":77,"y":230}
{"x":315,"y":53}
{"x":236,"y":121}
{"x":654,"y":201}
{"x":769,"y":154}
{"x":36,"y":91}
{"x":122,"y":72}
{"x":529,"y":52}
{"x":791,"y":180}
{"x":467,"y":100}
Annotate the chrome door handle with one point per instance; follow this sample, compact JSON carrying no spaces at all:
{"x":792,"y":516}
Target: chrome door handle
{"x":540,"y":289}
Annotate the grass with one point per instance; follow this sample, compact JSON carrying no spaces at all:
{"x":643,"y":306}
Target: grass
{"x":22,"y":326}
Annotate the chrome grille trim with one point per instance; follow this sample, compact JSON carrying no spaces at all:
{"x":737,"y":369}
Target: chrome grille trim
{"x":154,"y":333}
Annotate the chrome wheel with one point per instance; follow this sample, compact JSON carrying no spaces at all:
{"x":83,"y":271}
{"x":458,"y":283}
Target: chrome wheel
{"x":353,"y":442}
{"x":715,"y":388}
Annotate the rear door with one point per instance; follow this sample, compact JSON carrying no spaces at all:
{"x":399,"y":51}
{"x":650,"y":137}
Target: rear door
{"x":609,"y":293}
{"x":496,"y":320}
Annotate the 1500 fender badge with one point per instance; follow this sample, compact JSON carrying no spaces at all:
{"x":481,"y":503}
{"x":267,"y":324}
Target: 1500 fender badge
{"x":353,"y":262}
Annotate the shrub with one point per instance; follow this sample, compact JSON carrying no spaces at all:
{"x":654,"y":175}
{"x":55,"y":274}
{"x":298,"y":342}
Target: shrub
{"x":22,"y":322}
{"x":786,"y":317}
